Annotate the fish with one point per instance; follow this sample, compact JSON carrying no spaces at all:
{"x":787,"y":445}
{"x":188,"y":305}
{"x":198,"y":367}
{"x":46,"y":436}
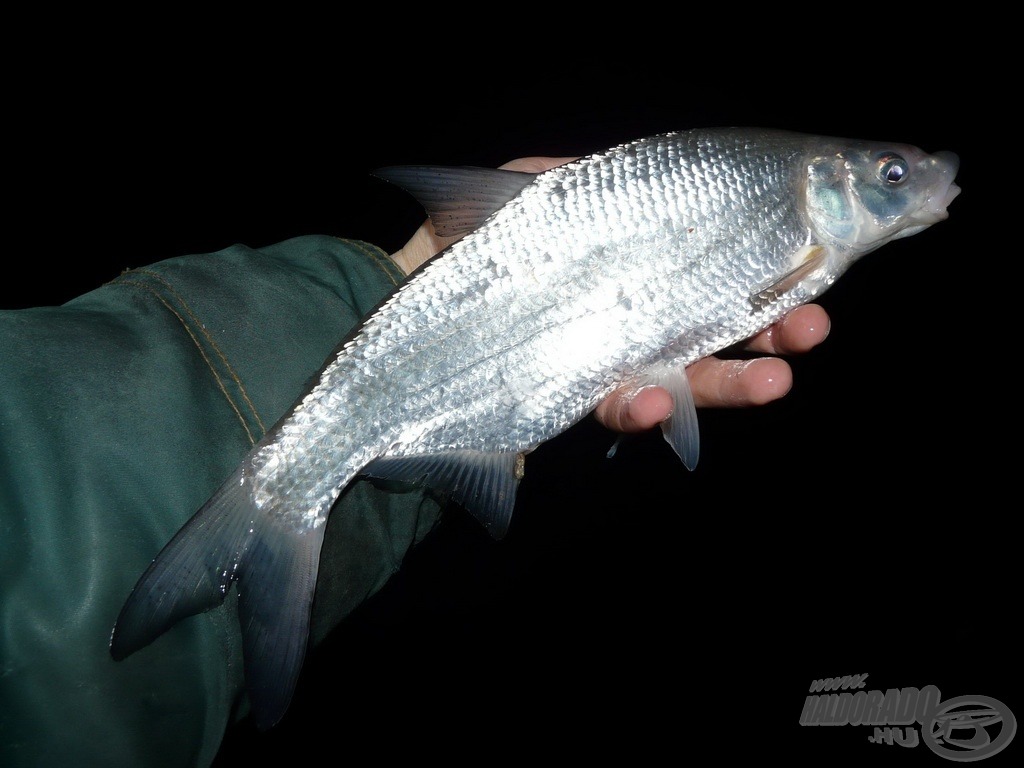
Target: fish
{"x":621,"y":267}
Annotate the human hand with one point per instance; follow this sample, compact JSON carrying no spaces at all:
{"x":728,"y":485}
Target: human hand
{"x":715,"y":383}
{"x":718,"y":383}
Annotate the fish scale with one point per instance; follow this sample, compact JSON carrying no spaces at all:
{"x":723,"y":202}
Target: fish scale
{"x":619,"y":268}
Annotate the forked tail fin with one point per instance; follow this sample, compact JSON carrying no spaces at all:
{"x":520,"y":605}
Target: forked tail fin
{"x":275,"y":564}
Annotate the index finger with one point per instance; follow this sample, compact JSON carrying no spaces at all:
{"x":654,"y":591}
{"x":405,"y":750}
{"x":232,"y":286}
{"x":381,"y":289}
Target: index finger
{"x":799,"y":331}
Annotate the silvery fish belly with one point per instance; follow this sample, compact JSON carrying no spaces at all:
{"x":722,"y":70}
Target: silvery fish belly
{"x":622,"y":267}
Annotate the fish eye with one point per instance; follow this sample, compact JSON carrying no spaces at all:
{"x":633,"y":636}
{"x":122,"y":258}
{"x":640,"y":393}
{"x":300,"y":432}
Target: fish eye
{"x":892,"y":169}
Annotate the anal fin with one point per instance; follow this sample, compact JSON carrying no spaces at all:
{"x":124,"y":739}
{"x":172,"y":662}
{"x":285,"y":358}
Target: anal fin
{"x":484,"y":483}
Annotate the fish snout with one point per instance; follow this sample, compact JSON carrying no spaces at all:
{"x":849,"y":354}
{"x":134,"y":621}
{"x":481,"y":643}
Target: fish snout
{"x":948,"y":161}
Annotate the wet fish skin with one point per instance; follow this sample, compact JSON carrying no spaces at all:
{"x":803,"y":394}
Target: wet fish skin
{"x":621,"y":267}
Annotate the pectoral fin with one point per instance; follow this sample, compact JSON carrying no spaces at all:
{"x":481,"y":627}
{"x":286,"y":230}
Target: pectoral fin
{"x":810,"y":258}
{"x":484,"y":483}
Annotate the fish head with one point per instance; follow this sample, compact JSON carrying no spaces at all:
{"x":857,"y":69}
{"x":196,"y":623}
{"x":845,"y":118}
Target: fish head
{"x":864,"y":195}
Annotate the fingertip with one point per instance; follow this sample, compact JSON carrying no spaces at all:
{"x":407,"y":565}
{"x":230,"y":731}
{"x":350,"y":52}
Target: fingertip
{"x":635,"y":410}
{"x":802,"y":329}
{"x":649,"y":407}
{"x":766,"y":379}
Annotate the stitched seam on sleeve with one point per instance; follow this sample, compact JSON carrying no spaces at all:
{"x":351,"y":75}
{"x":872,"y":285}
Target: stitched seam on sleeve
{"x":213,"y":343}
{"x":378,"y":257}
{"x":198,"y":344}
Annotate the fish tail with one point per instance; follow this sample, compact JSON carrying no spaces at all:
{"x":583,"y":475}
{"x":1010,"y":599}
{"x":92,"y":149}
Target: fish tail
{"x":275,"y":564}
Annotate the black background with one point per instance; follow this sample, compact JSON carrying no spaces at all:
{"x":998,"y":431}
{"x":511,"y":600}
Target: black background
{"x":861,"y":525}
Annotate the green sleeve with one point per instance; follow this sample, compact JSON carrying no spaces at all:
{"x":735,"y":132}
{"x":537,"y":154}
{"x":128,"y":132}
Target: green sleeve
{"x":120,"y":413}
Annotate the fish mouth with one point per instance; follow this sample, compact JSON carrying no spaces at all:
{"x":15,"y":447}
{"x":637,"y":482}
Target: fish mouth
{"x":945,"y":165}
{"x":935,"y":207}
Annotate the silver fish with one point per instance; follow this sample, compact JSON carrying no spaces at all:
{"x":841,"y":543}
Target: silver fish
{"x":621,"y":267}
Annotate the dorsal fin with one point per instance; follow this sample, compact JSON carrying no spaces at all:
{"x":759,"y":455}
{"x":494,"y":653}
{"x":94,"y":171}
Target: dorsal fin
{"x":457,"y":199}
